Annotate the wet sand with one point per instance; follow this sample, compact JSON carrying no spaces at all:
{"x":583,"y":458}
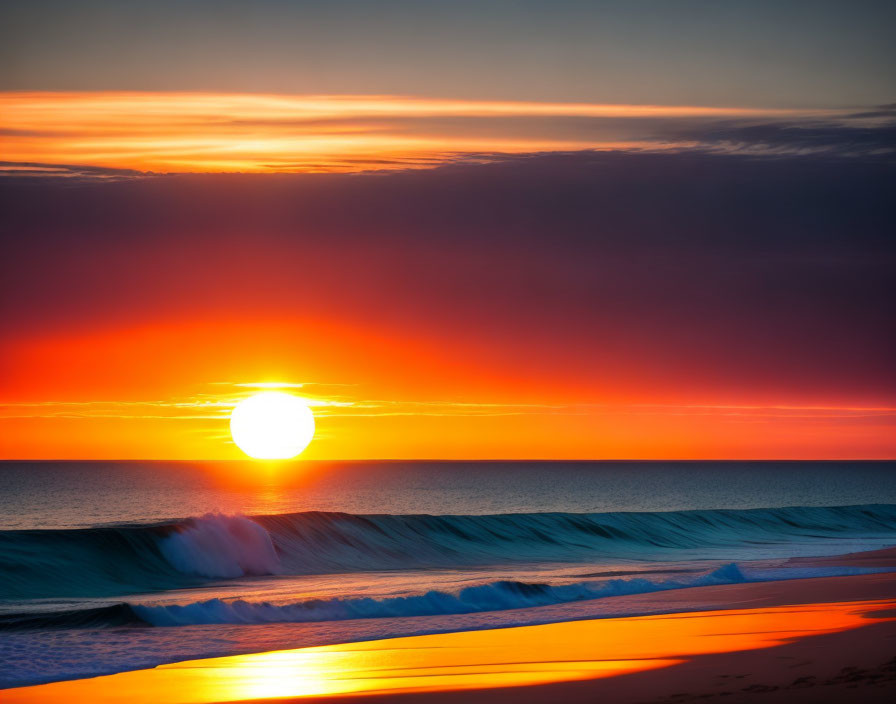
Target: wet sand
{"x":811,"y":640}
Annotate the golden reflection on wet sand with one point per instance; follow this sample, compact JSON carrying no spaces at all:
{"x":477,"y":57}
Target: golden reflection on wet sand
{"x":509,"y":657}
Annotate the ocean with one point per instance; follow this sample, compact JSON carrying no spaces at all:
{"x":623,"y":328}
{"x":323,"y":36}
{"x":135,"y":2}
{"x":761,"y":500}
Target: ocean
{"x":109,"y":566}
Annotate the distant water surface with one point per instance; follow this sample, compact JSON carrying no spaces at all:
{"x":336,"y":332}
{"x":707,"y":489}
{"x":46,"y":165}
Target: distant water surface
{"x":81,"y":493}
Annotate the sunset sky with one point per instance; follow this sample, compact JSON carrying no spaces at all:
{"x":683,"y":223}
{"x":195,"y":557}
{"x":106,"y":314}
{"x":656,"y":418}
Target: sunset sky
{"x":565,"y":230}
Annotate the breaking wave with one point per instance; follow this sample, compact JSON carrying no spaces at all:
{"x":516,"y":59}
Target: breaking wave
{"x":495,"y":596}
{"x":122,"y":559}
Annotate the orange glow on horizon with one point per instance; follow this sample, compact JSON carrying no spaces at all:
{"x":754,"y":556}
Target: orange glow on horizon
{"x":165,"y":391}
{"x":510,"y":657}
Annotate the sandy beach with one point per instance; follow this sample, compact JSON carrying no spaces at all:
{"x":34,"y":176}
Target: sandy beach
{"x":809,"y":640}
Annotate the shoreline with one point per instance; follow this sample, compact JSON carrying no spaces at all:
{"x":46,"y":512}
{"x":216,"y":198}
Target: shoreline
{"x":806,"y":671}
{"x":857,"y":613}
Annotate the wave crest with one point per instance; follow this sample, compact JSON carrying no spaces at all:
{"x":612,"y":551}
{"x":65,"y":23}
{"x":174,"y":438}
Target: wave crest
{"x":495,"y":596}
{"x":219,"y":546}
{"x":117,"y":560}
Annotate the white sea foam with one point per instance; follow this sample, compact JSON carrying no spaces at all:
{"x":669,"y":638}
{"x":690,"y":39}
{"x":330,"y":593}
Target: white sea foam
{"x":219,"y":546}
{"x":495,"y":596}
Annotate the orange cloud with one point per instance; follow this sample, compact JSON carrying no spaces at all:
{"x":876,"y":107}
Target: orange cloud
{"x":200,"y":132}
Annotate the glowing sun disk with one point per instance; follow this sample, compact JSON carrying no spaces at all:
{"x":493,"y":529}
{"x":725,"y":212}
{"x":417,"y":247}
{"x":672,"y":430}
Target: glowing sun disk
{"x":272,"y":425}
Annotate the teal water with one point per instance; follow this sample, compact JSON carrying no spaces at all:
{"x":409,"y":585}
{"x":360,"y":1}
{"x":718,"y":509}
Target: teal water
{"x":107,"y":566}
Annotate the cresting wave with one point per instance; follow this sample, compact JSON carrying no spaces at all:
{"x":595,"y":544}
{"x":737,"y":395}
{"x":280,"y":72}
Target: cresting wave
{"x":116,"y":560}
{"x":494,"y":596}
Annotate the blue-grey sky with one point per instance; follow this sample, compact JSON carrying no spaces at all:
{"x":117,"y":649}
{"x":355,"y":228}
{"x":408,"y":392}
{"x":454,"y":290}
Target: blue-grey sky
{"x":693,"y":52}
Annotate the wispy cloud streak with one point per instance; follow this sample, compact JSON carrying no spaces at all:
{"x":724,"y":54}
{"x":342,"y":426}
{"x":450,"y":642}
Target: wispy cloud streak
{"x":200,"y":132}
{"x":217,"y":408}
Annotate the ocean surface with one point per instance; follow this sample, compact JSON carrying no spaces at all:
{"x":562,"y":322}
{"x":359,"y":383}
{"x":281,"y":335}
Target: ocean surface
{"x":108,"y":566}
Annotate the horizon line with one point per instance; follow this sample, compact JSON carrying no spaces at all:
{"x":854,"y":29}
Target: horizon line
{"x":464,"y":459}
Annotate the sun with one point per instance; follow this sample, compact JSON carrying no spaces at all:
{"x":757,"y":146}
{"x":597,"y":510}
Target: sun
{"x":272,"y":425}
